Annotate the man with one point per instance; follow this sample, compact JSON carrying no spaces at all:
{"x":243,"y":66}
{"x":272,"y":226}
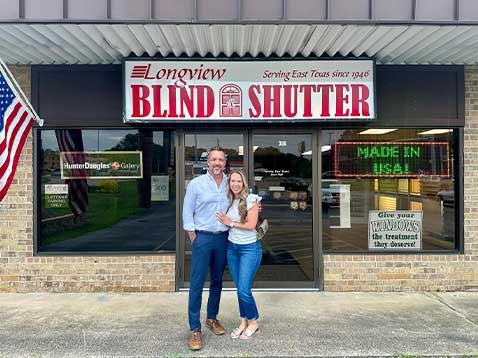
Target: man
{"x":205,"y":196}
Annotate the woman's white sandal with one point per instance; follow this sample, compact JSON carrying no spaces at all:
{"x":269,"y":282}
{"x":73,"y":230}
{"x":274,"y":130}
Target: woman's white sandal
{"x":247,"y":334}
{"x":236,"y":333}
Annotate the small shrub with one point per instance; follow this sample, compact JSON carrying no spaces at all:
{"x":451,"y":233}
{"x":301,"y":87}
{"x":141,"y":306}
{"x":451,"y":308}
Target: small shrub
{"x":108,"y":186}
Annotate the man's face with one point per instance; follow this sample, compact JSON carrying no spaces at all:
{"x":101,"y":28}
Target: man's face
{"x":216,"y":162}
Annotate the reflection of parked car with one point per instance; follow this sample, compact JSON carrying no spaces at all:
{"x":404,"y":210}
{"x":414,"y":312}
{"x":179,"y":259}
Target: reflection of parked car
{"x":199,"y":169}
{"x":294,"y":183}
{"x":55,"y":172}
{"x":328,"y":196}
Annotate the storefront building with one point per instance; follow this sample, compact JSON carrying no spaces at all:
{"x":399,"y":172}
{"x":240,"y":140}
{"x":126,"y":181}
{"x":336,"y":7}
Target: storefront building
{"x":357,"y":124}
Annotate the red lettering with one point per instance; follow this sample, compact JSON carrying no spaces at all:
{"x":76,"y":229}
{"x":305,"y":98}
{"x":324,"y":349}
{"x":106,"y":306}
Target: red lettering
{"x":340,"y":99}
{"x":172,"y":101}
{"x":254,"y":90}
{"x":325,"y":89}
{"x":141,"y":105}
{"x":307,"y":89}
{"x":288,"y":111}
{"x":272,"y":101}
{"x":157,"y":102}
{"x":146,"y":76}
{"x":205,"y":92}
{"x":186,"y":100}
{"x":360,"y":94}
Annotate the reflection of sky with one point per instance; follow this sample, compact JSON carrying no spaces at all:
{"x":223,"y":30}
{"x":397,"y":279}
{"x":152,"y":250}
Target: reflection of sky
{"x":226,"y":141}
{"x":233,"y":141}
{"x":92,"y":139}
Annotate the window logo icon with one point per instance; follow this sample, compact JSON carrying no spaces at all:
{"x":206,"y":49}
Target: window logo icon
{"x":231,"y":101}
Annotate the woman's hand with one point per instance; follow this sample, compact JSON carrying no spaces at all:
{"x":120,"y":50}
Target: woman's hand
{"x":223,"y":218}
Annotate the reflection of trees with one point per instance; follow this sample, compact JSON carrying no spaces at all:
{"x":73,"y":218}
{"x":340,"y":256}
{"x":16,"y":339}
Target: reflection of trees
{"x":50,"y":159}
{"x":129,"y":142}
{"x":273,"y":159}
{"x":194,"y":154}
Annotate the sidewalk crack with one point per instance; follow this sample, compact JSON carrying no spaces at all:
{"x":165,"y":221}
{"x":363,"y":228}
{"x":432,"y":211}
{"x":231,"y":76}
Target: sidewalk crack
{"x":434,"y":296}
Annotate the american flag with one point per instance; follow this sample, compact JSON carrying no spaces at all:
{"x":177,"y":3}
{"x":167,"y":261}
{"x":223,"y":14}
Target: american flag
{"x":70,"y":143}
{"x":16,"y":119}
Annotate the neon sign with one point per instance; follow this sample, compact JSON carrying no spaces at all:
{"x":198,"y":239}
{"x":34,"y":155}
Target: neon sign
{"x":391,"y":159}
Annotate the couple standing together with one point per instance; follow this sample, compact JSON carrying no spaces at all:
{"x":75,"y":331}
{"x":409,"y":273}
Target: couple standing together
{"x":220,"y":218}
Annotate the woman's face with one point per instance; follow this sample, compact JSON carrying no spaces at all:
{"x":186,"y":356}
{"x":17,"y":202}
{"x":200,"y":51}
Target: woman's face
{"x":235,"y":183}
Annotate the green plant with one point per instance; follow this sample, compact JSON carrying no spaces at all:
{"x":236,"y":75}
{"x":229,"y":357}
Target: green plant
{"x":108,"y":186}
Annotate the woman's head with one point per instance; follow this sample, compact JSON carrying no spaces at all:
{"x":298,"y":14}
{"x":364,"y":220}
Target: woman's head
{"x":238,"y":189}
{"x":238,"y":184}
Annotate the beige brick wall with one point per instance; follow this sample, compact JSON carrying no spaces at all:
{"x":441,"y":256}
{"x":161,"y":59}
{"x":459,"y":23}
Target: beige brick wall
{"x":20,"y":271}
{"x":422,"y":272}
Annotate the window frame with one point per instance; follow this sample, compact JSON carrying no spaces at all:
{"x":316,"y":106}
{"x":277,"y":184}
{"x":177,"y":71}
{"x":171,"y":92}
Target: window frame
{"x":458,"y":169}
{"x":37,"y":199}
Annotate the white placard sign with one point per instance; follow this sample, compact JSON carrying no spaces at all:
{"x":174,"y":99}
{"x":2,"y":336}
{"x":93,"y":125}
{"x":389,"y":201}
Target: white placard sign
{"x":395,"y":230}
{"x":344,"y":205}
{"x":162,"y":90}
{"x":51,"y":189}
{"x":159,"y":188}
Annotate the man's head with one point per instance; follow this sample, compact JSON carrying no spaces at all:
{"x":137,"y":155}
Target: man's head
{"x":216,"y":161}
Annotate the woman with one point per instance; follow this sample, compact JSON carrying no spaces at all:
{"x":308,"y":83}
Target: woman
{"x":244,"y":251}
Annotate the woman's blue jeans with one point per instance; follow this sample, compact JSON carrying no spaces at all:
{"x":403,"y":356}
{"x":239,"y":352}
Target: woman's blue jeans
{"x":244,"y":261}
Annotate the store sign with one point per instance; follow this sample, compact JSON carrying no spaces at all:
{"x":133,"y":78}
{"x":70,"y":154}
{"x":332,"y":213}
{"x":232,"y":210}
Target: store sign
{"x":391,"y":159}
{"x":159,"y":188}
{"x":248,"y":90}
{"x":56,"y":196}
{"x":395,"y":230}
{"x":101,"y":165}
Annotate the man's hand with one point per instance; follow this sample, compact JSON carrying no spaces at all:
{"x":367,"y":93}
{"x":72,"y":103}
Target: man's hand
{"x":259,"y":205}
{"x":192,"y":235}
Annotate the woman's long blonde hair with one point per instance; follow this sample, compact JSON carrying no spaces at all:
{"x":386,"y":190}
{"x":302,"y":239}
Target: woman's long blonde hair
{"x":242,"y":196}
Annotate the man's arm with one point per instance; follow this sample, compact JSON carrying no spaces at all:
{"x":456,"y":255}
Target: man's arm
{"x":189,"y":206}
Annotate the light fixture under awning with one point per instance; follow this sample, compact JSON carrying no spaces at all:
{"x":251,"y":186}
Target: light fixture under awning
{"x":378,"y":131}
{"x":436,"y":131}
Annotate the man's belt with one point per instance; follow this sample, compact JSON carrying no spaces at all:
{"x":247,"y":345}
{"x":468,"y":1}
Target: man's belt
{"x":211,"y":232}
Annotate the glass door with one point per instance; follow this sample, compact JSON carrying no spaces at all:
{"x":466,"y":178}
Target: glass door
{"x":196,"y":148}
{"x":282,"y":175}
{"x":279,"y":168}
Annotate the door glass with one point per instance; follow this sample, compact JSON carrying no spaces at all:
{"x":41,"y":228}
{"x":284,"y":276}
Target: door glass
{"x":283,"y":177}
{"x":196,"y":150}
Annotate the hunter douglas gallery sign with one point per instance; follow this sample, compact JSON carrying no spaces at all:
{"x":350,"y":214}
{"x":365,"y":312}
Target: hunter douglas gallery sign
{"x":157,"y":90}
{"x":101,"y":165}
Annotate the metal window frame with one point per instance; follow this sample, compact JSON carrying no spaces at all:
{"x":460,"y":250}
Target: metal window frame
{"x":317,"y":283}
{"x":458,"y":151}
{"x":37,"y":203}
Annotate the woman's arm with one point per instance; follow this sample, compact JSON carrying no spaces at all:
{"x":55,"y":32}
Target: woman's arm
{"x":251,"y":219}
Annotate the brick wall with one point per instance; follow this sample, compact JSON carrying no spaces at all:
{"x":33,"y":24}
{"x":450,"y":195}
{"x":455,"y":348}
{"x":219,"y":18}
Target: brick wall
{"x":422,"y":272}
{"x":20,"y":271}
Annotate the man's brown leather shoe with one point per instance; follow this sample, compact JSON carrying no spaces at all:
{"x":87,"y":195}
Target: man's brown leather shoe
{"x":215,"y":326}
{"x":195,"y":340}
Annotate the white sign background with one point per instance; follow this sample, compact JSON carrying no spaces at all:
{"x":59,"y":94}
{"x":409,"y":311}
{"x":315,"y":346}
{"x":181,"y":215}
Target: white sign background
{"x":245,"y":74}
{"x":56,"y":189}
{"x":159,"y":188}
{"x":395,"y":230}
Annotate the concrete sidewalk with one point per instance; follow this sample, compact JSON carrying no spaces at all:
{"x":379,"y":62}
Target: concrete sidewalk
{"x":292,"y":324}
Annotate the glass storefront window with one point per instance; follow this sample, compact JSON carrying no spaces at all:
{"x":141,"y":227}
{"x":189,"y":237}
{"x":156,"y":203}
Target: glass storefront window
{"x":114,"y":204}
{"x":387,"y":170}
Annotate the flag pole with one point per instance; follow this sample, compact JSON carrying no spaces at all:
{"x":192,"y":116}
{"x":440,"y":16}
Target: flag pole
{"x":20,"y":92}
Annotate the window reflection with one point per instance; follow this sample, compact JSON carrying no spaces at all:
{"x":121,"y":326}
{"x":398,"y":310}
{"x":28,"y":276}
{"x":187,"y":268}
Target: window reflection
{"x":387,"y":169}
{"x":107,"y":214}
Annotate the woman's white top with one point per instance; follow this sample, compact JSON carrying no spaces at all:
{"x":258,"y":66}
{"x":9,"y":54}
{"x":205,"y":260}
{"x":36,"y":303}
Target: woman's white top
{"x":242,"y":236}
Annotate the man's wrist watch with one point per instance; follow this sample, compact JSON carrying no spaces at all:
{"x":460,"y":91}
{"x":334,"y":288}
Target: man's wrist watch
{"x":231,"y":225}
